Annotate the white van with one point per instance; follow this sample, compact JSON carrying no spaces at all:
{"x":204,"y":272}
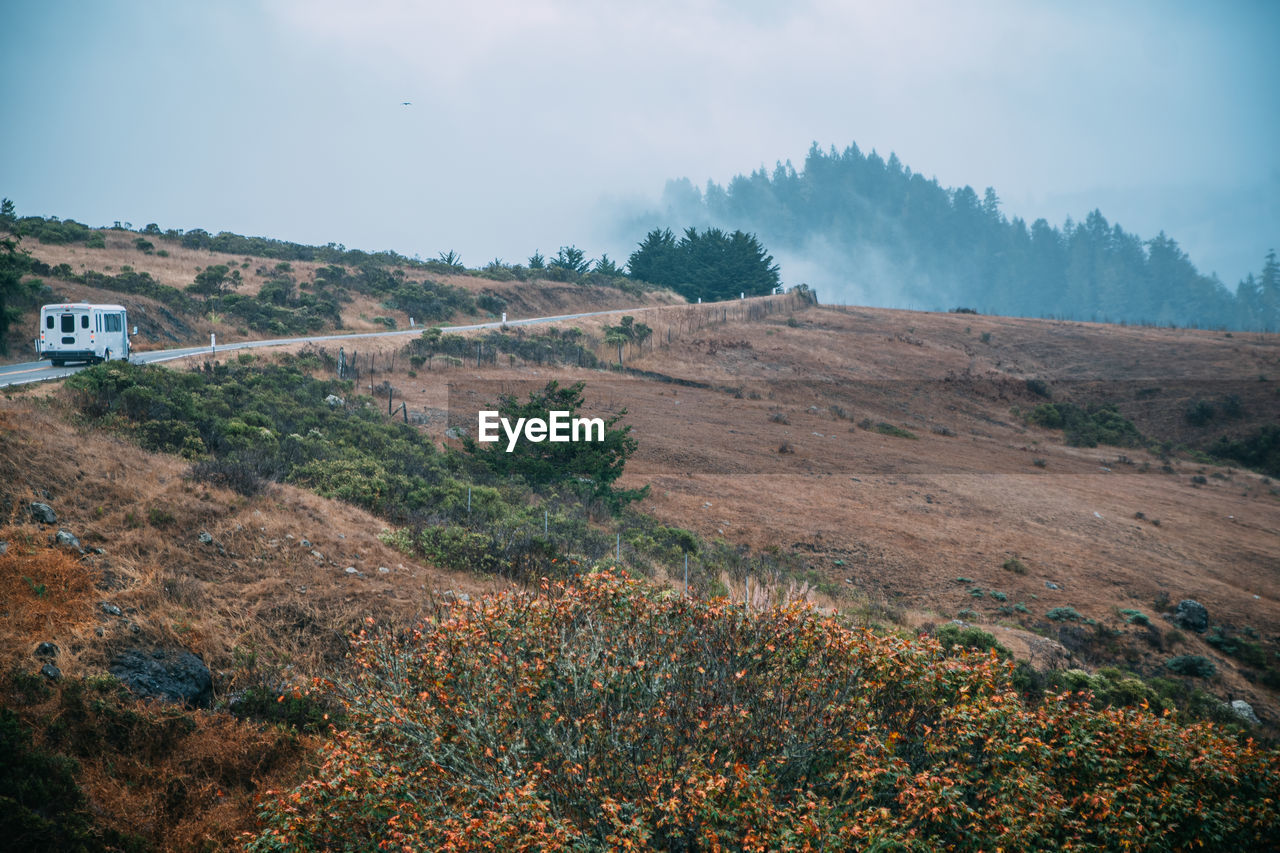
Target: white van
{"x":83,"y":332}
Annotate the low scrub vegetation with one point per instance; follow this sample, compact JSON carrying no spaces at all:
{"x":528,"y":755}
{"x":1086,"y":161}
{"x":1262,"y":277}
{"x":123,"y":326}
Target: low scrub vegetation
{"x":1087,"y":427}
{"x":247,"y":425}
{"x":613,"y":715}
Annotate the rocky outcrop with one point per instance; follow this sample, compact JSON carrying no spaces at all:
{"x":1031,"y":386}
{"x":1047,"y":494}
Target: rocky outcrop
{"x":1244,"y":711}
{"x":170,"y":675}
{"x":43,"y":513}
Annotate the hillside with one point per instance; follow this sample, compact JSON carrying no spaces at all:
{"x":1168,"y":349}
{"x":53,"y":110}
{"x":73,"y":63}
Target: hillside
{"x":869,"y":461}
{"x":352,"y":291}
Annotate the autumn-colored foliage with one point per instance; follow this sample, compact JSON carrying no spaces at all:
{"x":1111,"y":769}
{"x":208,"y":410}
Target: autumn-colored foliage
{"x":610,"y":714}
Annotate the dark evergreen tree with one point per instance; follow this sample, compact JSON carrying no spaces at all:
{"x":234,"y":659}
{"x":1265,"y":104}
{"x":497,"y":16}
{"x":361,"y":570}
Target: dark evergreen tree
{"x":711,"y":264}
{"x":655,"y":258}
{"x":1269,"y":294}
{"x":13,"y":264}
{"x":571,"y":259}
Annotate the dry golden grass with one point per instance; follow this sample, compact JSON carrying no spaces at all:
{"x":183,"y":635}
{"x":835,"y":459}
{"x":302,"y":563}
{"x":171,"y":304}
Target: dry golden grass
{"x":44,"y":592}
{"x":257,"y":593}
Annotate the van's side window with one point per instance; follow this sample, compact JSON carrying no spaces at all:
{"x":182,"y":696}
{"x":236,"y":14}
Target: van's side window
{"x":110,"y":322}
{"x":68,"y":323}
{"x":48,"y":322}
{"x":84,"y":321}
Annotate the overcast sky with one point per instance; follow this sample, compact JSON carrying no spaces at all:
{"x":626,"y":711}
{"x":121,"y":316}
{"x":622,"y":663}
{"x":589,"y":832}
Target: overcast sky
{"x":533,"y":123}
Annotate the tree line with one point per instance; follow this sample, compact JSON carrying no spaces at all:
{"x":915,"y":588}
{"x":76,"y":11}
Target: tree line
{"x":943,"y":245}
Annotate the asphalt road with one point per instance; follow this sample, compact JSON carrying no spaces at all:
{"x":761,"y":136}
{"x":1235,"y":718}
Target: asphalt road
{"x":40,"y":371}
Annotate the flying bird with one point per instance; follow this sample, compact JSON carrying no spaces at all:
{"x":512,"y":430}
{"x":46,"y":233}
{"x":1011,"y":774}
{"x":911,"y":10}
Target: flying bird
{"x":406,"y":103}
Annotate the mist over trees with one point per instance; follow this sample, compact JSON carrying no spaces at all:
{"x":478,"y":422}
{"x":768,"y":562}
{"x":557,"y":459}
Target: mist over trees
{"x":863,"y":228}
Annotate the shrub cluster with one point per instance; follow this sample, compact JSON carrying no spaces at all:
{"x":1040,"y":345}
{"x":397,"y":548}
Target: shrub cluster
{"x":52,"y":229}
{"x":1260,"y":450}
{"x":615,"y":715}
{"x":1087,"y":427}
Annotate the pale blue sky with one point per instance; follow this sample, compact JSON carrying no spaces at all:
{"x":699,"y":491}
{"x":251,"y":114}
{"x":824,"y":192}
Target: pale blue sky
{"x":533,"y":122}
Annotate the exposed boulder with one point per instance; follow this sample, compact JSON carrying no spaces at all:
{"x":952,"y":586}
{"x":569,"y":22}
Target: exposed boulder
{"x":51,"y":672}
{"x":43,"y":513}
{"x":171,"y":675}
{"x":46,"y":650}
{"x":1244,"y":711}
{"x":4,"y":547}
{"x":66,"y":539}
{"x":1192,"y":615}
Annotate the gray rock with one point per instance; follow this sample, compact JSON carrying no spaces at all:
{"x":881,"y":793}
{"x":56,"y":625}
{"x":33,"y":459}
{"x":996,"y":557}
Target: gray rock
{"x":46,"y":650}
{"x":110,"y":609}
{"x":334,"y":401}
{"x":352,"y":570}
{"x":66,"y":539}
{"x":1244,"y":711}
{"x":170,"y":675}
{"x":383,"y":570}
{"x":1051,"y":585}
{"x":4,"y":548}
{"x":205,"y":537}
{"x":306,"y":543}
{"x":51,"y":672}
{"x":43,"y":513}
{"x":1192,"y":615}
{"x":317,"y":555}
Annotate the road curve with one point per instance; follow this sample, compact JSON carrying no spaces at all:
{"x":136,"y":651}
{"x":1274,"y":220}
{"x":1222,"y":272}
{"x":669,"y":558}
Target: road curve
{"x":40,"y":371}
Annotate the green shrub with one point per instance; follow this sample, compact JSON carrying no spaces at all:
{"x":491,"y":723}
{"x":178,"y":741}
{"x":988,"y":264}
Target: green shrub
{"x":1013,"y":564}
{"x":1065,"y":614}
{"x":160,"y":517}
{"x":1200,"y":413}
{"x":1039,"y":387}
{"x":889,"y":429}
{"x":1259,"y":450}
{"x":1135,"y":617}
{"x":969,"y":637}
{"x":1251,"y":653}
{"x":593,"y":466}
{"x":1196,"y":666}
{"x":1087,"y":427}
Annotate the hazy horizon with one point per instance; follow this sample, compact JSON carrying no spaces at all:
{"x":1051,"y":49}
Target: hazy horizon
{"x":537,"y":125}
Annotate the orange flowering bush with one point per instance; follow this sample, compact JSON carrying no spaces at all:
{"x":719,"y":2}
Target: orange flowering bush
{"x":610,"y":714}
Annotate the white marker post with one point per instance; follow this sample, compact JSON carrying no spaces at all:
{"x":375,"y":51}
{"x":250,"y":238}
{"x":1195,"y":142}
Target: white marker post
{"x":213,"y":342}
